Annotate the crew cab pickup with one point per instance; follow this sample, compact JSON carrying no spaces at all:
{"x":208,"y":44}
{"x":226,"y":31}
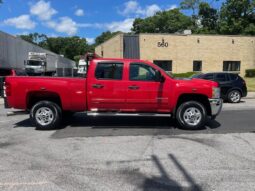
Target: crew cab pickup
{"x":115,"y":87}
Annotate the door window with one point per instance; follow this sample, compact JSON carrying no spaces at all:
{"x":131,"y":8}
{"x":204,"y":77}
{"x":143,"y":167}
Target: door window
{"x":208,"y":77}
{"x":109,"y":71}
{"x":221,"y":78}
{"x":141,"y":72}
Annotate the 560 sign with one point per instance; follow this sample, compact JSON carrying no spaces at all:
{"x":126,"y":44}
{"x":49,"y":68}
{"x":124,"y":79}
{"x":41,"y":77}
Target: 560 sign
{"x":163,"y":44}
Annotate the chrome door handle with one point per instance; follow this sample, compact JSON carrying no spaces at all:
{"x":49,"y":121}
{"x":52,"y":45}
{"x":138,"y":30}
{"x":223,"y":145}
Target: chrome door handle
{"x":97,"y":86}
{"x":133,"y":87}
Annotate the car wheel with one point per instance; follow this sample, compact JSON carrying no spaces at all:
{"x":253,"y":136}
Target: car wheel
{"x":234,"y":96}
{"x":191,"y":115}
{"x":46,"y":115}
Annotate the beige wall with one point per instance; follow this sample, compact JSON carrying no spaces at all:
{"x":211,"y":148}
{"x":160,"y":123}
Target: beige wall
{"x":113,"y":48}
{"x":211,"y":50}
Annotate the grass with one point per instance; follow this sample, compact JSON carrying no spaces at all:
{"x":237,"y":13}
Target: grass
{"x":250,"y":82}
{"x":184,"y":75}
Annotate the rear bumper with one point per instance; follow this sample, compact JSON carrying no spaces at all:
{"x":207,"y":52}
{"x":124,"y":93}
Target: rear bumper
{"x":216,"y":106}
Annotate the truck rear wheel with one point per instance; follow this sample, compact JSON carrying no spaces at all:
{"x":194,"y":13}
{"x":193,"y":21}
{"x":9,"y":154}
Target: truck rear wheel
{"x":191,"y":115}
{"x":46,"y":115}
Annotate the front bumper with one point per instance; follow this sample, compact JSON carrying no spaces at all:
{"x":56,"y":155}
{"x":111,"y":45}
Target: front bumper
{"x":216,"y":106}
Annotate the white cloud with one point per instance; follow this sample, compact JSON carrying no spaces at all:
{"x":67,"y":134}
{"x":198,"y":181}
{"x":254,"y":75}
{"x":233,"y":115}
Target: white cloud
{"x":65,"y":25}
{"x":133,"y":8}
{"x":21,"y":22}
{"x":79,"y":12}
{"x":151,"y":10}
{"x":90,"y":40}
{"x":172,"y":7}
{"x":43,"y":10}
{"x":124,"y":26}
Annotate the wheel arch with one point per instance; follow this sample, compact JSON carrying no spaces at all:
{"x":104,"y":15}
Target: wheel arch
{"x":203,"y":99}
{"x":36,"y":96}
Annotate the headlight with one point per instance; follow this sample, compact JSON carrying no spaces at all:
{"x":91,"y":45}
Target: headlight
{"x":215,"y":92}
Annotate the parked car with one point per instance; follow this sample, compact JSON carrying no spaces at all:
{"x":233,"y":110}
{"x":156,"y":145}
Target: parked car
{"x":233,"y":87}
{"x":115,"y":87}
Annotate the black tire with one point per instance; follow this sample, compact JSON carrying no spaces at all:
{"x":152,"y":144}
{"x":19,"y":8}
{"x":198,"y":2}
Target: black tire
{"x":54,"y":115}
{"x":184,"y":108}
{"x":234,"y":96}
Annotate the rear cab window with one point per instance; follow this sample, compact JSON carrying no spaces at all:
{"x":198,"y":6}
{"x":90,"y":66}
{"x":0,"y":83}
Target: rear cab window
{"x":109,"y":71}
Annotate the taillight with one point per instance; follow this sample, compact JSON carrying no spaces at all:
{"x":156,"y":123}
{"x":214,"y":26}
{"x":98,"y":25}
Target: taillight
{"x":7,"y":89}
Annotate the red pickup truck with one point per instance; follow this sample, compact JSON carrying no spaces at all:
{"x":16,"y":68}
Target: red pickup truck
{"x":115,"y":87}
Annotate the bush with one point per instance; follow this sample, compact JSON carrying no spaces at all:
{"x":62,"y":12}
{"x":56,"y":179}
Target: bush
{"x":249,"y":73}
{"x":185,"y":75}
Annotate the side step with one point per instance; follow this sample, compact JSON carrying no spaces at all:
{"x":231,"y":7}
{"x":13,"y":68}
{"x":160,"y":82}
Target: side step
{"x":129,"y":114}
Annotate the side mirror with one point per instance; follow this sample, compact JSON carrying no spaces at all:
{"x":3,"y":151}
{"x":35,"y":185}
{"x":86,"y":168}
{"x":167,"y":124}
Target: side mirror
{"x":159,"y":77}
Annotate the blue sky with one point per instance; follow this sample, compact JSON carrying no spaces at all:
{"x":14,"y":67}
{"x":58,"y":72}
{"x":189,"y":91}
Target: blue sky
{"x":84,"y":18}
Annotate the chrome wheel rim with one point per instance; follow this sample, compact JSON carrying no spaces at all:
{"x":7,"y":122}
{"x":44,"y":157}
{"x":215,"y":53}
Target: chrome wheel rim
{"x":44,"y":116}
{"x":192,"y":116}
{"x":235,"y":97}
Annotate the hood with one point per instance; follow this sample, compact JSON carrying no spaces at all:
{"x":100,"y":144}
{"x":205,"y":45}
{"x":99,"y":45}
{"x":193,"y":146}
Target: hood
{"x":196,"y":82}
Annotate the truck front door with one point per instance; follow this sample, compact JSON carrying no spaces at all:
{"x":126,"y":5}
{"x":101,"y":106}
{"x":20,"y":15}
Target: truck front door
{"x":105,"y":87}
{"x":144,"y":93}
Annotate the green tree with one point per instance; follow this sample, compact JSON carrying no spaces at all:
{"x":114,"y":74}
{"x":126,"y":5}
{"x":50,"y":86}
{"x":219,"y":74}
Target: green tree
{"x":36,"y":38}
{"x":237,"y":17}
{"x":104,"y":37}
{"x":208,"y":18}
{"x":170,"y":21}
{"x":68,"y":46}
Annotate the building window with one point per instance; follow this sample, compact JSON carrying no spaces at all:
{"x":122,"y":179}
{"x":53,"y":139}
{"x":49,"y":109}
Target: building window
{"x":164,"y":64}
{"x":231,"y":65}
{"x":102,"y":53}
{"x":197,"y":65}
{"x":109,"y":71}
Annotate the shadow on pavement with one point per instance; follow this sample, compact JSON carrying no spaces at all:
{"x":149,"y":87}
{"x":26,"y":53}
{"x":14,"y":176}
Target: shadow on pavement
{"x":164,"y":181}
{"x":81,"y":125}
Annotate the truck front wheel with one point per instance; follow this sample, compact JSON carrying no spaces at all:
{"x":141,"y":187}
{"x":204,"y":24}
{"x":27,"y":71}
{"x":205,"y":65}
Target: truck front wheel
{"x":46,"y":115}
{"x":191,"y":115}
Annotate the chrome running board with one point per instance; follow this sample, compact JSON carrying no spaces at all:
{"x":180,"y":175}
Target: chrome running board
{"x":128,"y":114}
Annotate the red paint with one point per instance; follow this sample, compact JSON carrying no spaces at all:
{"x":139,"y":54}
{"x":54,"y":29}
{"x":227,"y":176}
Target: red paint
{"x":78,"y":94}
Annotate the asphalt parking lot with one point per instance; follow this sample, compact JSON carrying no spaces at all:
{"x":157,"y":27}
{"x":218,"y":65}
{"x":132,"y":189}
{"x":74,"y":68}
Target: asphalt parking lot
{"x":130,"y":153}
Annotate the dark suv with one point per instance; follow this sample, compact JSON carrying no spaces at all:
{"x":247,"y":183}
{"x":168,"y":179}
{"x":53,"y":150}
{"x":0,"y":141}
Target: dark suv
{"x":233,"y":87}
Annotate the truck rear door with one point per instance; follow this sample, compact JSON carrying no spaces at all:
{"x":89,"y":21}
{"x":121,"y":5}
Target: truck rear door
{"x":105,"y":86}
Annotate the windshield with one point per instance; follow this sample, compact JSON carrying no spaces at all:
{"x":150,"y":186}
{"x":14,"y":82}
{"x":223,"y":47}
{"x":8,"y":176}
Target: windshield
{"x":34,"y":63}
